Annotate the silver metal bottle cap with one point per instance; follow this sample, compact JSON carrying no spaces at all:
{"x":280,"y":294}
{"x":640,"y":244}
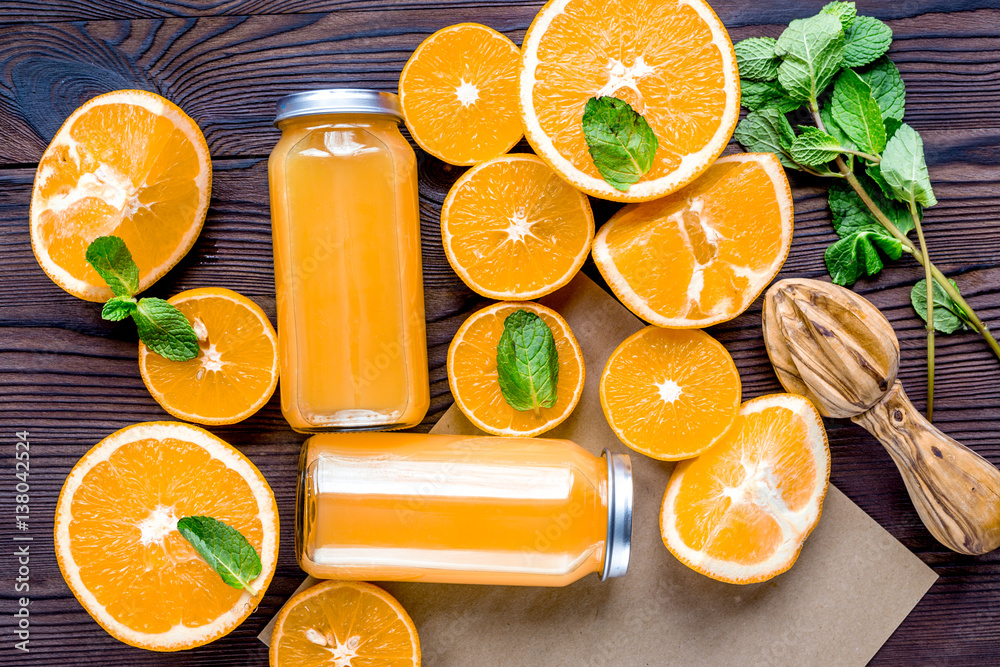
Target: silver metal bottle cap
{"x":619,"y":542}
{"x":339,"y":100}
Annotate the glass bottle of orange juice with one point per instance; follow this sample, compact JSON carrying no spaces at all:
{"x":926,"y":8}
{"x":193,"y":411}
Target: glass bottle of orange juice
{"x":461,"y":509}
{"x":346,"y":231}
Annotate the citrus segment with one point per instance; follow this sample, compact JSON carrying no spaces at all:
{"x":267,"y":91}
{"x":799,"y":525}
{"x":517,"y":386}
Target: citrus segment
{"x":117,"y":542}
{"x":670,"y":394}
{"x":128,"y":163}
{"x":740,"y":512}
{"x":236,"y":370}
{"x":344,"y":624}
{"x":671,"y":60}
{"x":701,"y":255}
{"x":459,"y":94}
{"x":472,"y":373}
{"x":512,"y":229}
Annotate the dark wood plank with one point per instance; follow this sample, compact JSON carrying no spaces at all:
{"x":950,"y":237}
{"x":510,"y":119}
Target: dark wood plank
{"x":733,"y":12}
{"x":227,"y":72}
{"x":71,"y":378}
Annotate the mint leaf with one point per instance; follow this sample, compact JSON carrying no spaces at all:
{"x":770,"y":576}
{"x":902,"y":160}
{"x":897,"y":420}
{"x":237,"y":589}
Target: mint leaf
{"x":620,"y":141}
{"x":811,"y":50}
{"x":814,"y":147}
{"x":891,"y":127}
{"x":113,"y":262}
{"x":846,"y":204}
{"x":224,"y":548}
{"x":949,"y":317}
{"x":756,"y":95}
{"x":767,"y":131}
{"x":848,"y":211}
{"x":867,"y":40}
{"x":832,"y":127}
{"x":165,"y":330}
{"x":527,"y":362}
{"x":904,"y":169}
{"x":755,"y":58}
{"x":875,"y":173}
{"x":118,"y":308}
{"x":859,"y":254}
{"x":887,"y":88}
{"x":857,"y":112}
{"x":846,"y":12}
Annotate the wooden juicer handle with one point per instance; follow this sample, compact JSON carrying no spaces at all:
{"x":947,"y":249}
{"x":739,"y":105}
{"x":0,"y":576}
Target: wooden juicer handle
{"x":956,"y":491}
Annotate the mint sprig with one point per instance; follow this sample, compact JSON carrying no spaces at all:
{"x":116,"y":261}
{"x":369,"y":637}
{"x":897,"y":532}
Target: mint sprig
{"x":527,"y":362}
{"x":949,"y":317}
{"x":162,"y":327}
{"x":866,"y":40}
{"x":224,"y":548}
{"x":856,"y":111}
{"x":904,"y":169}
{"x":620,"y":141}
{"x":758,"y":95}
{"x":811,"y":51}
{"x":887,"y":88}
{"x":834,"y":65}
{"x":113,"y":262}
{"x":768,"y":131}
{"x":815,"y":147}
{"x":755,"y":58}
{"x":846,"y":12}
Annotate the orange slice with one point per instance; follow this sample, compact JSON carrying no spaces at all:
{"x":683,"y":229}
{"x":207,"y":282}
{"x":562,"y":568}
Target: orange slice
{"x":702,"y":255}
{"x":670,"y":394}
{"x":235,"y":372}
{"x":117,"y":543}
{"x":459,"y":94}
{"x":472,"y":373}
{"x":671,"y":60}
{"x":344,"y":624}
{"x":127,"y":163}
{"x":740,"y":512}
{"x":513,"y":230}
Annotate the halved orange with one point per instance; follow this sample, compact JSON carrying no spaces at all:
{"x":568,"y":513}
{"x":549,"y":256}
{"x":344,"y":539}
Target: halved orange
{"x":128,"y":163}
{"x":459,"y":94}
{"x":472,"y":372}
{"x":236,"y":370}
{"x":344,"y":624}
{"x":117,"y":542}
{"x":513,"y":230}
{"x":740,"y":512}
{"x":701,"y":256}
{"x":671,"y":60}
{"x":670,"y":394}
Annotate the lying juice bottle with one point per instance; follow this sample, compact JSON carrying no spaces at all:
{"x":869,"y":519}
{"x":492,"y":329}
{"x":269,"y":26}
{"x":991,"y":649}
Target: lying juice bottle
{"x":461,"y":509}
{"x":346,"y":231}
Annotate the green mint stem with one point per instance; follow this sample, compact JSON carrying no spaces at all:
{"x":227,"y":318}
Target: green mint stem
{"x":939,"y":277}
{"x":874,"y":159}
{"x":908,"y":244}
{"x":813,"y":172}
{"x":930,"y":311}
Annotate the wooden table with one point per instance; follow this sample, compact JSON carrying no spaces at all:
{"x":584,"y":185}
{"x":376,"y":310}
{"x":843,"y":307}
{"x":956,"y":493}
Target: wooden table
{"x":70,"y":378}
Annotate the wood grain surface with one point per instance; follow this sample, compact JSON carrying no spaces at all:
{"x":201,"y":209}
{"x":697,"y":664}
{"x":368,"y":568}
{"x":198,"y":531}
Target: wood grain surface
{"x":70,"y":378}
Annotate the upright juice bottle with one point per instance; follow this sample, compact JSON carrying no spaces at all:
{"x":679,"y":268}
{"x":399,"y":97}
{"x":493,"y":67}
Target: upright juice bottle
{"x":346,"y":231}
{"x":461,"y":509}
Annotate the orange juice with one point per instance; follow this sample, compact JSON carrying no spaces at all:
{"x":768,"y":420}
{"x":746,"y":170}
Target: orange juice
{"x":461,"y":509}
{"x":346,"y":232}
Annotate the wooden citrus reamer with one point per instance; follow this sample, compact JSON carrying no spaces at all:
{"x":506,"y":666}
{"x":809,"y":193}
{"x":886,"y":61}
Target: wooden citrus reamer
{"x":834,"y":347}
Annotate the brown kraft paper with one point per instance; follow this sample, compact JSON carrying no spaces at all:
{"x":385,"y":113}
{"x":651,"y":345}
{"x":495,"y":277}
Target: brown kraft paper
{"x":850,"y":588}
